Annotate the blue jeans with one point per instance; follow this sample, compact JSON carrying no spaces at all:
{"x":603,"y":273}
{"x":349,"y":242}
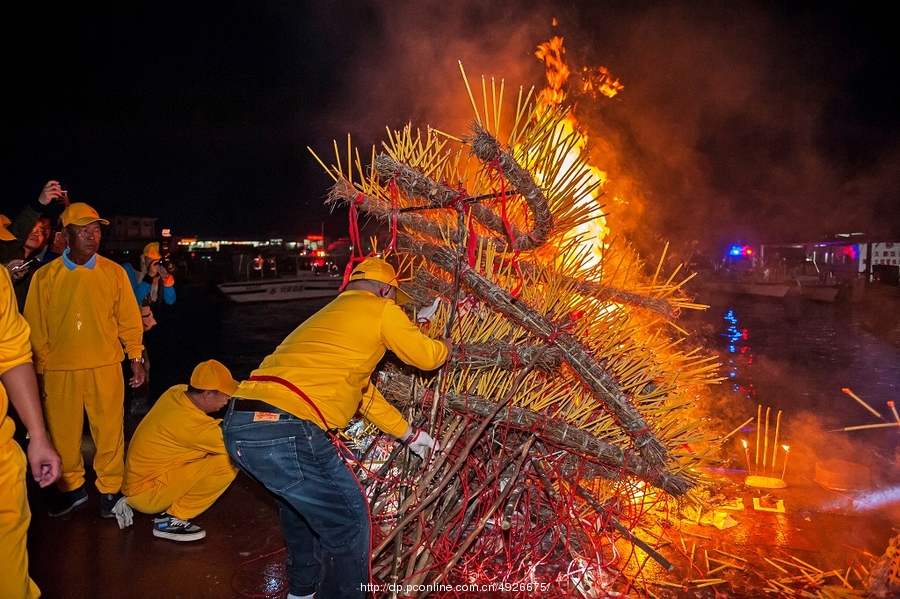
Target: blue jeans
{"x":324,"y":516}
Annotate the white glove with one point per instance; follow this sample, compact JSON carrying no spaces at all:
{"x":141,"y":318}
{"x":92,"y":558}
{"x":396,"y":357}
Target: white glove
{"x":124,"y":515}
{"x":427,"y":313}
{"x":422,"y":443}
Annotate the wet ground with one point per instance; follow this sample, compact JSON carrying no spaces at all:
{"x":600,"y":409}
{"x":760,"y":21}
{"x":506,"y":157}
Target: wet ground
{"x":83,"y":556}
{"x":794,"y":358}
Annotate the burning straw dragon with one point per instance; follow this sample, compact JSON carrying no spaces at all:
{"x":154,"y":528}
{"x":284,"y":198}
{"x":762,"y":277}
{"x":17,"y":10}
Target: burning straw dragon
{"x":564,"y":415}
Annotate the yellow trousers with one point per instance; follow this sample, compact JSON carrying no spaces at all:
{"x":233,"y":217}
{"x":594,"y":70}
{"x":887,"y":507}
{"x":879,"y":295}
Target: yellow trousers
{"x":188,"y":490}
{"x":101,"y":393}
{"x":14,"y":519}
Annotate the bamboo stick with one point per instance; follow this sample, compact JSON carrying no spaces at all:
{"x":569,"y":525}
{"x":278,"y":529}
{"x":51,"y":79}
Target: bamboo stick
{"x":464,"y":546}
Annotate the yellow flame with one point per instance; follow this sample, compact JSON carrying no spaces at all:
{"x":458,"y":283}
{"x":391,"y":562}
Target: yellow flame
{"x":594,"y":232}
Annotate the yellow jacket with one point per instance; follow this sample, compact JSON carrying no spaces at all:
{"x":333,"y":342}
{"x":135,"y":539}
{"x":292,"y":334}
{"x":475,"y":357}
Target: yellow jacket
{"x":81,"y":318}
{"x":331,"y":356}
{"x":14,"y":347}
{"x":173,"y":433}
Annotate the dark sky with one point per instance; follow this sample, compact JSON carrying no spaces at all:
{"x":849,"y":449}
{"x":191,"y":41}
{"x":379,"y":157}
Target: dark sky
{"x":760,"y":121}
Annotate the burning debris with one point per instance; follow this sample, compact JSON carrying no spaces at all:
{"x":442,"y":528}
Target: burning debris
{"x":566,"y":415}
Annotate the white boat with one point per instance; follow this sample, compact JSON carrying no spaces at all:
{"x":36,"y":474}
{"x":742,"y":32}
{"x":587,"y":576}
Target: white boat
{"x":761,"y":288}
{"x":301,"y":286}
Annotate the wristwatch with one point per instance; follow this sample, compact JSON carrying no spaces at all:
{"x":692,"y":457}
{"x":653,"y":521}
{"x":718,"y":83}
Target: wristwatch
{"x":141,"y":360}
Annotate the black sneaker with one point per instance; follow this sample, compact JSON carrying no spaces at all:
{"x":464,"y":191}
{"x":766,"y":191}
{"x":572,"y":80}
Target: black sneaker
{"x":108,"y":504}
{"x":175,"y":529}
{"x":68,"y":501}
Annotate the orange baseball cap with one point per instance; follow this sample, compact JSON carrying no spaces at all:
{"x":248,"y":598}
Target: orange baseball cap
{"x":375,"y":269}
{"x":5,"y":234}
{"x":80,"y":214}
{"x":151,"y":250}
{"x":213,"y":376}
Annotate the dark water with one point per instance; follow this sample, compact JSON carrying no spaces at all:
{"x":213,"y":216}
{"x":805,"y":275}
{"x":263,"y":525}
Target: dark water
{"x":203,"y":324}
{"x":797,"y":356}
{"x":794,"y":357}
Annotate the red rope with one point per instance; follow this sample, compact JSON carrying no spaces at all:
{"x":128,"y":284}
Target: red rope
{"x":395,"y":211}
{"x":472,"y":238}
{"x":355,"y":240}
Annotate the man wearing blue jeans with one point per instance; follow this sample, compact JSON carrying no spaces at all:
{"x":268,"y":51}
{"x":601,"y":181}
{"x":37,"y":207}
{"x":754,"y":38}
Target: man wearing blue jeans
{"x":276,"y":429}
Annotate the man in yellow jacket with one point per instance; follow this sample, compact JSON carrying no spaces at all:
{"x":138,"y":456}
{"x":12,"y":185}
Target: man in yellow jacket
{"x":82,"y":312}
{"x":177,"y":465}
{"x":19,"y":387}
{"x":315,"y":381}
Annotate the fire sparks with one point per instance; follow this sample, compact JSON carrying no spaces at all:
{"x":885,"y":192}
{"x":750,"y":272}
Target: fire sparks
{"x":599,"y":81}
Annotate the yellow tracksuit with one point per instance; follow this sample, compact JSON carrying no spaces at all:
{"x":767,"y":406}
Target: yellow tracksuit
{"x":80,"y":318}
{"x":177,"y":462}
{"x":14,"y":513}
{"x":331,"y":356}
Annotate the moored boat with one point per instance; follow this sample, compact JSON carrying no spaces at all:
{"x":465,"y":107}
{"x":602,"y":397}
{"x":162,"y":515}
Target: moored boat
{"x":301,"y":286}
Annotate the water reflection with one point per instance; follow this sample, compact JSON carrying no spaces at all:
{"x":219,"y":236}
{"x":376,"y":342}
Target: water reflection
{"x":741,"y":356}
{"x":796,"y":357}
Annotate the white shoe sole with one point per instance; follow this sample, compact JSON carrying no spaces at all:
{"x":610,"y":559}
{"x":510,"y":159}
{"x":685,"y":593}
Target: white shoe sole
{"x":179,"y":536}
{"x":81,"y":501}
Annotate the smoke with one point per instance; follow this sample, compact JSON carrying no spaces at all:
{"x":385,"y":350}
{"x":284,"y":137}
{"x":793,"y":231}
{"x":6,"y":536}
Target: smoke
{"x":410,"y":74}
{"x":725,"y":121}
{"x":737,"y":122}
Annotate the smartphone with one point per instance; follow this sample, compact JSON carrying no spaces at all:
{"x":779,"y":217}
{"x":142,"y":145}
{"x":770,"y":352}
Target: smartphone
{"x":25,"y":264}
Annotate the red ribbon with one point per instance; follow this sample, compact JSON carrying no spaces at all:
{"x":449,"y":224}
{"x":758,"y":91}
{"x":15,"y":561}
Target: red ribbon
{"x":395,"y":211}
{"x":355,"y":242}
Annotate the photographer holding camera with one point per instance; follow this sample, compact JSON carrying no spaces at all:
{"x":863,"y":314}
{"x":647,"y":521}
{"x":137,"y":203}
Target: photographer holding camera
{"x":152,"y":278}
{"x":24,"y":240}
{"x":151,"y":285}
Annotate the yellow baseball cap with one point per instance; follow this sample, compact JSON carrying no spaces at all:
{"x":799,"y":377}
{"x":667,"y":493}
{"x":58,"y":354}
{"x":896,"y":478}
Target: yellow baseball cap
{"x":375,"y":269}
{"x":5,"y":235}
{"x":81,"y":214}
{"x":151,"y":250}
{"x":213,"y":376}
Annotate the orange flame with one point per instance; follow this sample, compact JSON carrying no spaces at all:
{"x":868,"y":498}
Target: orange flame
{"x":599,"y":80}
{"x":552,"y":53}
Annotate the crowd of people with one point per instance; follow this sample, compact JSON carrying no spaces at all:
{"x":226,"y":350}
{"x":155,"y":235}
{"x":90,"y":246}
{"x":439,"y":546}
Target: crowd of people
{"x":70,"y":319}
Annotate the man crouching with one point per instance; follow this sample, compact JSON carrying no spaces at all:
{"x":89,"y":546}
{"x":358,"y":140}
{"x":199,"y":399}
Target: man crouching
{"x":177,"y":465}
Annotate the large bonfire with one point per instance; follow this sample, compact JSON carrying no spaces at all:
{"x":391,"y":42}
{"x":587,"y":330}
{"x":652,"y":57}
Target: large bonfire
{"x":567,"y":414}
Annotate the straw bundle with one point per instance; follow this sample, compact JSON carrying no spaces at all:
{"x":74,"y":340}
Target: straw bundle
{"x":568,"y":385}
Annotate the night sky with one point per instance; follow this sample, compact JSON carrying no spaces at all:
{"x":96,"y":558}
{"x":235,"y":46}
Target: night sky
{"x":738,"y":121}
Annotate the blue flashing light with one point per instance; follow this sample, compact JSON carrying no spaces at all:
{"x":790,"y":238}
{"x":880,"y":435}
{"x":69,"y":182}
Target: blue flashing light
{"x":740,"y":250}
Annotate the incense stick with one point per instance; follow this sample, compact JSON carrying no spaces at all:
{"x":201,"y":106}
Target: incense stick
{"x":775,"y":441}
{"x":866,"y":427}
{"x":894,"y":410}
{"x":725,"y":438}
{"x":758,"y":431}
{"x":862,"y":403}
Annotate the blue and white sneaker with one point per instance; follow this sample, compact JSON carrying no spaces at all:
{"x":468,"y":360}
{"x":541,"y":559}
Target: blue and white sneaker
{"x":175,"y":529}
